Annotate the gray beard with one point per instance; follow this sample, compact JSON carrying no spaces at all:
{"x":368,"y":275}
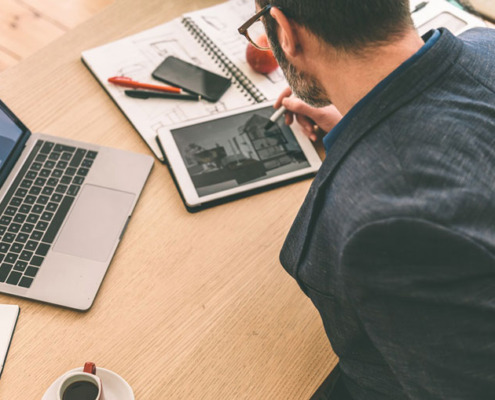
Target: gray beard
{"x":306,"y":87}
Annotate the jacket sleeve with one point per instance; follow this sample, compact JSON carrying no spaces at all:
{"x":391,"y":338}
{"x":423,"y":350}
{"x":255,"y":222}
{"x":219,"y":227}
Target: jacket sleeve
{"x":425,"y":296}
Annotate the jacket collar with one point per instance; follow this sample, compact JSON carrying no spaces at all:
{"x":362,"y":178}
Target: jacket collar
{"x":407,"y":85}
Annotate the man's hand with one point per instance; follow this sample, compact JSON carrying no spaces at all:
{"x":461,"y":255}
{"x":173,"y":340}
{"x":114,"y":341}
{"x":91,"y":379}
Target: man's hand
{"x":313,"y":120}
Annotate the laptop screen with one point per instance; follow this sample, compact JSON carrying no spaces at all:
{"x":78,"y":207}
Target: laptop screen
{"x":13,"y":135}
{"x":10,"y":134}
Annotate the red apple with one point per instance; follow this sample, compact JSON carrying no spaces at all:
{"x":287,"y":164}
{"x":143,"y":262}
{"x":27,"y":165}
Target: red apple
{"x":262,"y":61}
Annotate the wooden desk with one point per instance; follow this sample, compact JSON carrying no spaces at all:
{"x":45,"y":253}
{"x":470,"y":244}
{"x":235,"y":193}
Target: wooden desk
{"x":194,"y":306}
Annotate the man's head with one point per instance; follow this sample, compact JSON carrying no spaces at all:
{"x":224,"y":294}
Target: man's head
{"x":347,"y":26}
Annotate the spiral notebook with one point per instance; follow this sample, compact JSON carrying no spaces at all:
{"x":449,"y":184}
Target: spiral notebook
{"x":207,"y":38}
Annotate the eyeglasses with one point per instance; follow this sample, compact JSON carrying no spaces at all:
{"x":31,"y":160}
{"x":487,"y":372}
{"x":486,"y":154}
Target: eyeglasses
{"x":253,"y":28}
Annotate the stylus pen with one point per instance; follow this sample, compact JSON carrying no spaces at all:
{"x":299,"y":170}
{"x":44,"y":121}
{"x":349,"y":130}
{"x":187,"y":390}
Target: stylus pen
{"x":276,"y":115}
{"x":144,"y":94}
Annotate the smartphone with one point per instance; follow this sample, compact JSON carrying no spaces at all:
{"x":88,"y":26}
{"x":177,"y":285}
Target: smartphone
{"x":192,"y":78}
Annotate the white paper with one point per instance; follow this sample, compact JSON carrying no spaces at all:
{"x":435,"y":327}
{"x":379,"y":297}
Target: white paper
{"x":8,"y":319}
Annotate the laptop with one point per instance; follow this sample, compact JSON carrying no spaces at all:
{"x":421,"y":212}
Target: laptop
{"x":64,"y":206}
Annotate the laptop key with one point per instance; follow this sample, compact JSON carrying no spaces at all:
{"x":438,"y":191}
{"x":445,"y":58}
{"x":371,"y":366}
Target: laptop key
{"x":31,"y":175}
{"x":58,"y":219}
{"x":9,"y":237}
{"x":37,"y":209}
{"x":42,"y":249}
{"x":5,"y":220}
{"x":31,"y":245}
{"x":52,"y":207}
{"x":11,"y":258}
{"x":47,"y":147}
{"x":30,"y":199}
{"x":43,"y":200}
{"x":27,"y":228}
{"x":31,"y":271}
{"x":73,"y":190}
{"x":16,"y":248}
{"x":36,"y":235}
{"x":14,"y":228}
{"x":3,"y":229}
{"x":4,"y":247}
{"x":20,"y":266}
{"x":10,"y":211}
{"x":26,"y":255}
{"x":37,"y":261}
{"x":26,"y":183}
{"x":66,"y":156}
{"x":41,"y":158}
{"x":41,"y":226}
{"x":25,"y":209}
{"x":57,"y":197}
{"x":5,"y":271}
{"x":14,"y":278}
{"x":40,"y":181}
{"x":78,"y":180}
{"x":47,"y":191}
{"x":20,"y":218}
{"x":21,"y":192}
{"x":32,"y":218}
{"x":45,"y":173}
{"x":16,"y":201}
{"x":54,"y":156}
{"x":26,"y":282}
{"x":22,"y":237}
{"x":92,"y":154}
{"x":78,"y":157}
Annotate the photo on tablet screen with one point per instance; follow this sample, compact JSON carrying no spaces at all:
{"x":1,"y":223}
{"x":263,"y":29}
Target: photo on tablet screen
{"x":229,"y":152}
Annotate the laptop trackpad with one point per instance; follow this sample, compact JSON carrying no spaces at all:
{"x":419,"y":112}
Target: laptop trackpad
{"x":95,"y":223}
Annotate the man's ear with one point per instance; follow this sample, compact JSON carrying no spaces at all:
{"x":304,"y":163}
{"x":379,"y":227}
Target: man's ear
{"x":287,"y":36}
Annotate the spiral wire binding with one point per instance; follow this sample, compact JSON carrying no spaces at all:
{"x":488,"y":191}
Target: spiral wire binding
{"x":241,"y":81}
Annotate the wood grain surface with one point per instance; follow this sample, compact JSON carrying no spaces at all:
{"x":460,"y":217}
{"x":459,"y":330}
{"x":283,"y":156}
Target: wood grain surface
{"x":28,"y":25}
{"x":194,"y":306}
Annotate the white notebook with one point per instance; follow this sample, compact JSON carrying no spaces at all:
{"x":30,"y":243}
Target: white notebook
{"x":8,"y":320}
{"x":207,"y":38}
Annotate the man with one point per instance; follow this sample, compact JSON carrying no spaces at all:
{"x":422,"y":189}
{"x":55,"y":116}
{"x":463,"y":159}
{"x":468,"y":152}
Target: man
{"x":395,"y":242}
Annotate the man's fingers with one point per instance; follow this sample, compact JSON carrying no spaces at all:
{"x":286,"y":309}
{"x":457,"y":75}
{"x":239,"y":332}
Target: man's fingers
{"x":306,"y":124}
{"x":299,"y":107}
{"x":286,"y":93}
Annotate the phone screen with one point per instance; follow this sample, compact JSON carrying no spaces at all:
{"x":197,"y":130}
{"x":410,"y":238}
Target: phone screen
{"x":192,"y":78}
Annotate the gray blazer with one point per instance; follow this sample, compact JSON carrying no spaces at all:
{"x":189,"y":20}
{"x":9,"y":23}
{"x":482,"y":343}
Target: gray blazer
{"x":395,"y":242}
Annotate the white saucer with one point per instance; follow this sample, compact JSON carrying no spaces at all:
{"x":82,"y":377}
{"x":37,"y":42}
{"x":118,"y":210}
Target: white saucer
{"x":114,"y":386}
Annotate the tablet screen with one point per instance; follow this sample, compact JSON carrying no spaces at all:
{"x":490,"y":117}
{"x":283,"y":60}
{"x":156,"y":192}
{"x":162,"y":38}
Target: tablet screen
{"x":237,"y":150}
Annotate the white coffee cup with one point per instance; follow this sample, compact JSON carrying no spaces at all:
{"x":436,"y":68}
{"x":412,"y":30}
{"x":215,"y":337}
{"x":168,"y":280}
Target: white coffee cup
{"x":71,"y":379}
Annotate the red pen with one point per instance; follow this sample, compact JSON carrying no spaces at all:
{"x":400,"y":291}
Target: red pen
{"x":128,"y":82}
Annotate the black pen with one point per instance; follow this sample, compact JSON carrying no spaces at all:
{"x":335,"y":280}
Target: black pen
{"x":144,"y":94}
{"x":420,"y":6}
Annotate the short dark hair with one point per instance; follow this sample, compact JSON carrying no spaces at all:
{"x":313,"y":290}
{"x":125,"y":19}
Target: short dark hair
{"x":347,"y":24}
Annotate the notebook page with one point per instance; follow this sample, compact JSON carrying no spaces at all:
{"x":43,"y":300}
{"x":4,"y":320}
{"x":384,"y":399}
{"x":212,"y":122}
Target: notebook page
{"x":136,"y":57}
{"x":220,"y":23}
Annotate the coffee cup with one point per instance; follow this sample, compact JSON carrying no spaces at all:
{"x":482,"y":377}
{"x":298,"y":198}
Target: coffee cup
{"x":85,"y":385}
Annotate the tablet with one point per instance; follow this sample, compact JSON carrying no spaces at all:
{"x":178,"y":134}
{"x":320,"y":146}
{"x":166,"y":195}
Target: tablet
{"x":224,"y":156}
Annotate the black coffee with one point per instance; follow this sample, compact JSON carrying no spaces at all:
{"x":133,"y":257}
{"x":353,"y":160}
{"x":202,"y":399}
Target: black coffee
{"x":81,"y":390}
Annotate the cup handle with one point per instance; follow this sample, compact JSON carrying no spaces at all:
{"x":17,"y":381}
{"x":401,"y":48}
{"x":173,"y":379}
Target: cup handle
{"x":90,"y":368}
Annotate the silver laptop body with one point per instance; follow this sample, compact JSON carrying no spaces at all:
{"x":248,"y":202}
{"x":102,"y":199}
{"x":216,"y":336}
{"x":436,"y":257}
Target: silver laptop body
{"x":85,"y":227}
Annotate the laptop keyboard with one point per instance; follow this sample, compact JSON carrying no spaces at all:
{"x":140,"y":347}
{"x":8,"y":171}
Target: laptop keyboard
{"x":35,"y":207}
